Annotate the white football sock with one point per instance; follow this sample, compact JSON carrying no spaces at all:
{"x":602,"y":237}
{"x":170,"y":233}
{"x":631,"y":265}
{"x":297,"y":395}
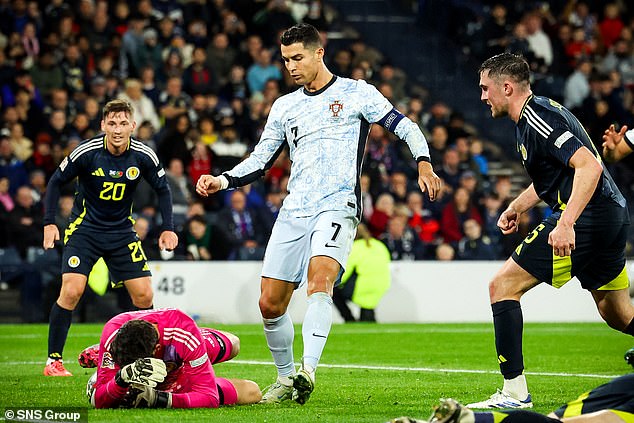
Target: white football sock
{"x":279,"y":334}
{"x":316,"y":327}
{"x":516,"y":387}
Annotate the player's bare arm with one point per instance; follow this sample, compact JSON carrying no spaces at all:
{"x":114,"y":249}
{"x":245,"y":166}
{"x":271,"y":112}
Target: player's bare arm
{"x":168,"y":240}
{"x":588,"y":171}
{"x":428,"y":181}
{"x":614,"y":149}
{"x":509,"y":219}
{"x":51,"y":234}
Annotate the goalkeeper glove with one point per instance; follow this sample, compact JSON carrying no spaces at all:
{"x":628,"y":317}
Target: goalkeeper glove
{"x":144,"y":371}
{"x":145,"y":397}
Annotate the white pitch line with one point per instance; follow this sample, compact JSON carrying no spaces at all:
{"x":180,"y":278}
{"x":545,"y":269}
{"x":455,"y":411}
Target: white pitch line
{"x":382,"y":368}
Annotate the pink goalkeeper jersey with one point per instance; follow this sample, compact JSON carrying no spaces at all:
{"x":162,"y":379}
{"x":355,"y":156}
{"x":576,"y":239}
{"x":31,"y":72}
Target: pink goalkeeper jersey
{"x":190,"y":377}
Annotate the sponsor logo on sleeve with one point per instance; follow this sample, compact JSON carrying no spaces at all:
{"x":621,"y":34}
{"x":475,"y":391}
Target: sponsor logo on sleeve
{"x":563,"y":138}
{"x":199,"y":361}
{"x":64,"y":163}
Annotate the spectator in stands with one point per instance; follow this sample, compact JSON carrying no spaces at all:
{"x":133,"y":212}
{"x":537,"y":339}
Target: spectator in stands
{"x":455,"y":213}
{"x":577,"y":86}
{"x":21,"y":145}
{"x":450,"y":170}
{"x":445,"y":252}
{"x":149,"y":243}
{"x":229,"y":149}
{"x":366,"y":197}
{"x":198,"y":239}
{"x":173,"y":144}
{"x":144,"y":110}
{"x":221,"y":57}
{"x":475,"y":245}
{"x":130,"y":58}
{"x":46,"y":75}
{"x":366,"y":279}
{"x":480,"y":159}
{"x":235,"y":85}
{"x":201,"y":162}
{"x":150,"y":52}
{"x":261,"y":71}
{"x":25,"y":221}
{"x":199,"y":77}
{"x":10,"y":166}
{"x":63,"y":215}
{"x":180,"y":188}
{"x":173,"y":101}
{"x":398,"y":186}
{"x":620,"y":58}
{"x":538,"y":40}
{"x":149,"y":85}
{"x":495,"y":31}
{"x":438,"y":144}
{"x":421,"y":220}
{"x":244,"y":229}
{"x":6,"y":205}
{"x":611,"y":25}
{"x":383,"y":211}
{"x":400,"y":239}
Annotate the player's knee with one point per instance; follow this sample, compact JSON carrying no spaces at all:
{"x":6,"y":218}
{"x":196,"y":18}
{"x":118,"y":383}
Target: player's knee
{"x":143,"y":299}
{"x":271,"y":309}
{"x":235,"y":345}
{"x":70,"y":295}
{"x":613,"y":318}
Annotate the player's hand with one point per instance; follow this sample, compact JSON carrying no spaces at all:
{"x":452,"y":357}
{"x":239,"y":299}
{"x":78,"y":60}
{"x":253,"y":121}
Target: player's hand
{"x":428,"y":181}
{"x":141,"y":396}
{"x":144,"y":371}
{"x":168,"y":240}
{"x":611,"y":138}
{"x":562,"y":239}
{"x":207,"y":184}
{"x":508,"y":221}
{"x":51,"y":234}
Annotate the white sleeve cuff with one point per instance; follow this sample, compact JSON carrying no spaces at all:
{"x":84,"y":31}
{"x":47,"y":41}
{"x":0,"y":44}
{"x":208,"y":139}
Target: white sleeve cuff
{"x":224,"y":182}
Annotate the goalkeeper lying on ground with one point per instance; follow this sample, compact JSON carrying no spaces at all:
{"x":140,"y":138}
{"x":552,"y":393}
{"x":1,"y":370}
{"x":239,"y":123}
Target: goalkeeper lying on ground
{"x":161,"y":358}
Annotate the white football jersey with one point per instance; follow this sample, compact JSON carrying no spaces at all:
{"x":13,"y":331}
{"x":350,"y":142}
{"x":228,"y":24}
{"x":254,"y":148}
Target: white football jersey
{"x":326,"y":132}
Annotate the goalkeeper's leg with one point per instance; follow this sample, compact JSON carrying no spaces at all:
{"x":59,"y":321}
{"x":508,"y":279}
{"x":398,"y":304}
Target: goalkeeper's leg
{"x":73,"y":285}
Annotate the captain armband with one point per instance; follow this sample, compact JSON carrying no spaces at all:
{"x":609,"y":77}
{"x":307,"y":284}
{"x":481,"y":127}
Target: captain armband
{"x":391,"y":120}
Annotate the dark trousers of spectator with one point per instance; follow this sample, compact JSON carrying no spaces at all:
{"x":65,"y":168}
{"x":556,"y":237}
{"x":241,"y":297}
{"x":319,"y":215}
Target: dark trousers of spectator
{"x":341,"y":296}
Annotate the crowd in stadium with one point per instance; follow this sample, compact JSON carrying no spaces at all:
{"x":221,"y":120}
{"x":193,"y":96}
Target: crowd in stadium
{"x":202,"y":76}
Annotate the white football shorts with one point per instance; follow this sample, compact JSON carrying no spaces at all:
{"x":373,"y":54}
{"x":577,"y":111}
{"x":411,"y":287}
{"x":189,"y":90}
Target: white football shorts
{"x":294,"y":240}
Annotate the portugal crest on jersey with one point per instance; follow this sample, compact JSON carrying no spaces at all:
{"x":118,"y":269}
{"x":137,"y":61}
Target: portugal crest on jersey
{"x":335,"y":107}
{"x":132,"y":173}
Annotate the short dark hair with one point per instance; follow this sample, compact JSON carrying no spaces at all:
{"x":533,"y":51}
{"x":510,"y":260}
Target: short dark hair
{"x":507,"y":64}
{"x":116,"y":106}
{"x":135,"y":339}
{"x":301,"y":33}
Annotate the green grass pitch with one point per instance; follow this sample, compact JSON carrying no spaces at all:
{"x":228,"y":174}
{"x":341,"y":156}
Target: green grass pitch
{"x":368,"y":372}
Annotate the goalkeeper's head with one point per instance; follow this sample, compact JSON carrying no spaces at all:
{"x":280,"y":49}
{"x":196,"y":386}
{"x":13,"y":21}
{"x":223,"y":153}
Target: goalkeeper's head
{"x":135,"y":339}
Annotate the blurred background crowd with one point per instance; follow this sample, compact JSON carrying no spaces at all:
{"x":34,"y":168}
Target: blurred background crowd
{"x":202,"y":76}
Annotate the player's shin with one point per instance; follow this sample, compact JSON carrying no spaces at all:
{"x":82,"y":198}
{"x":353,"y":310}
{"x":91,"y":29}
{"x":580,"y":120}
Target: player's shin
{"x":279,"y":333}
{"x":316,"y":328}
{"x":508,"y":323}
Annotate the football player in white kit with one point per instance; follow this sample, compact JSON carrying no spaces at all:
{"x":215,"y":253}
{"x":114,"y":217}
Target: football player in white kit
{"x":325,"y":124}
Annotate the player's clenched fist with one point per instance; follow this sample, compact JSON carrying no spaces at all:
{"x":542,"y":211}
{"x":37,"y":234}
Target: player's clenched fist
{"x":207,"y":184}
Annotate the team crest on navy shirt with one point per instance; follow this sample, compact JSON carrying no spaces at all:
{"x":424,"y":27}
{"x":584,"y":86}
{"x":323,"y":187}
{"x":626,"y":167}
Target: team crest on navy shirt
{"x":132,"y":173}
{"x":335,"y":107}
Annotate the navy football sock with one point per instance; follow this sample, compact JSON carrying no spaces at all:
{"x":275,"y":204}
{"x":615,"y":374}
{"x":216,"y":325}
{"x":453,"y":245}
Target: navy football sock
{"x":509,"y":324}
{"x":58,"y":326}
